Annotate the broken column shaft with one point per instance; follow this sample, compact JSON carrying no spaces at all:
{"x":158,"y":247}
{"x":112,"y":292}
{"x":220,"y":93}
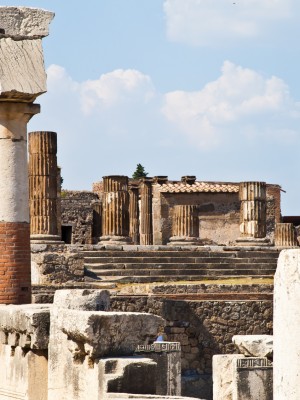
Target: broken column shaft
{"x":43,"y":186}
{"x":253,"y":209}
{"x":146,"y":233}
{"x":185,"y":229}
{"x":134,"y":214}
{"x":115,"y":210}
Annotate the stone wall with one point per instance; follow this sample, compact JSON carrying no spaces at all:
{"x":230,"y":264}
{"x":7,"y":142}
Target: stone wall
{"x":56,"y":264}
{"x":204,"y":328}
{"x":218,"y":215}
{"x":77,"y":213}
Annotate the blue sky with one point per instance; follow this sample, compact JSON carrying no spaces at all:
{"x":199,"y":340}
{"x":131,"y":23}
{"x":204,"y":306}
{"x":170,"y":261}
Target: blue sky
{"x":185,"y":87}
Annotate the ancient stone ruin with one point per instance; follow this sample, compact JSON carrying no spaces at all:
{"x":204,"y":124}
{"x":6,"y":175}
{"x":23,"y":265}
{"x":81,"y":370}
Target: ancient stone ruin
{"x":137,"y":289}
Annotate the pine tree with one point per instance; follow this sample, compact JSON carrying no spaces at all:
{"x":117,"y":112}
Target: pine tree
{"x":139,"y":172}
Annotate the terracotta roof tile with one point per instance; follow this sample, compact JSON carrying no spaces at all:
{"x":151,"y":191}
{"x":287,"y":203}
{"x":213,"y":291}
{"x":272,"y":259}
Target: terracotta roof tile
{"x":199,"y":187}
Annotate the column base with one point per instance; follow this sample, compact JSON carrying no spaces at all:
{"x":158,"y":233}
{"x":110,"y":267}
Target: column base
{"x":251,"y":241}
{"x":46,"y":239}
{"x":184,"y":241}
{"x":115,"y":240}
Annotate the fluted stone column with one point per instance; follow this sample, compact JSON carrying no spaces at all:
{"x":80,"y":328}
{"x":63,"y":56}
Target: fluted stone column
{"x":134,"y":222}
{"x":43,"y":186}
{"x":58,"y":202}
{"x":185,"y":226}
{"x":253,"y":210}
{"x":115,"y":210}
{"x":285,"y":235}
{"x":146,"y":231}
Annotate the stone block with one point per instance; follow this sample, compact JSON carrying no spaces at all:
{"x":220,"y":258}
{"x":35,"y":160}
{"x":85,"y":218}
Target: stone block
{"x":167,"y":355}
{"x":23,"y":374}
{"x":25,"y":22}
{"x":253,"y":379}
{"x":26,"y":326}
{"x":254,"y":345}
{"x":223,"y":376}
{"x":84,"y":300}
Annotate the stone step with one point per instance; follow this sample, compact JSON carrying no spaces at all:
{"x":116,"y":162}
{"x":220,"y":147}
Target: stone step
{"x":164,"y":260}
{"x":171,"y":278}
{"x":183,"y":272}
{"x":182,"y":253}
{"x":175,"y":266}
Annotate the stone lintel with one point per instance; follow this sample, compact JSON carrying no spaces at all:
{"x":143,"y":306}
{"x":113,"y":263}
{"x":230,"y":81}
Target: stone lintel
{"x":24,"y":22}
{"x":26,"y":326}
{"x":254,"y":345}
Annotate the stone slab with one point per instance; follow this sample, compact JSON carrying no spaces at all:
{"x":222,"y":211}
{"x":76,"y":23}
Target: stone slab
{"x":26,"y":326}
{"x":254,"y":345}
{"x":22,"y":70}
{"x":107,"y":333}
{"x":84,"y":300}
{"x":25,"y":22}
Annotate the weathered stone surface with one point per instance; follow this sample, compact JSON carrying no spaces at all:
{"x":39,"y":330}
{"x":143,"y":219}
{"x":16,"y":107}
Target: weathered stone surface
{"x":287,"y":326}
{"x":25,"y":22}
{"x":254,"y":345}
{"x":23,"y":373}
{"x":185,"y":226}
{"x":107,"y":333}
{"x":84,"y":300}
{"x":223,"y":371}
{"x":253,"y":379}
{"x":26,"y":326}
{"x":167,"y":355}
{"x":285,"y":235}
{"x":20,"y":78}
{"x":125,"y":396}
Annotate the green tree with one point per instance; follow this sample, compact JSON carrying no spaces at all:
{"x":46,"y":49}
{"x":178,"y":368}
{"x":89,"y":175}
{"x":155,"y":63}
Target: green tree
{"x":139,"y":172}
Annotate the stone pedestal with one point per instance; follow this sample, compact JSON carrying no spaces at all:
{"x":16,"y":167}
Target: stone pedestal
{"x":185,"y":228}
{"x":287,"y":326}
{"x":253,"y":214}
{"x":146,"y":231}
{"x":43,"y":186}
{"x":115,"y":210}
{"x":167,"y":355}
{"x":134,"y":222}
{"x":285,"y":235}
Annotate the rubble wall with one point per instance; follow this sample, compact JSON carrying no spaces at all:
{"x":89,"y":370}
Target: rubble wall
{"x":204,"y":328}
{"x":77,"y":212}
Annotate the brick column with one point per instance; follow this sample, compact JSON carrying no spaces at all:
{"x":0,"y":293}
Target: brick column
{"x":185,"y":227}
{"x":146,"y":231}
{"x":43,"y":186}
{"x":134,"y":223}
{"x":15,"y":275}
{"x":115,"y":210}
{"x":253,"y":209}
{"x":285,"y":235}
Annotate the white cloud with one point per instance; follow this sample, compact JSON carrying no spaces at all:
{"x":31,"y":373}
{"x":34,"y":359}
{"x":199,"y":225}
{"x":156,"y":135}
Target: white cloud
{"x":240,"y":100}
{"x":207,"y":22}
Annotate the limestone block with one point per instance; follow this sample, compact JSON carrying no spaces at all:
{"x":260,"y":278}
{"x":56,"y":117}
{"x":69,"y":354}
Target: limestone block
{"x":253,"y":379}
{"x":22,"y":71}
{"x":26,"y":326}
{"x":23,"y":22}
{"x":254,"y":345}
{"x":106,"y":333}
{"x":23,"y":374}
{"x":287,"y":326}
{"x":223,"y":376}
{"x":84,"y":300}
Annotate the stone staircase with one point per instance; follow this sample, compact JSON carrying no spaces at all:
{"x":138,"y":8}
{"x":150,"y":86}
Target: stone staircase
{"x":171,"y":266}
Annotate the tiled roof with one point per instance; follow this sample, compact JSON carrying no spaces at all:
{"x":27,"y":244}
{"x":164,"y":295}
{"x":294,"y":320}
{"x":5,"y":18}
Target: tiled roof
{"x":198,"y":187}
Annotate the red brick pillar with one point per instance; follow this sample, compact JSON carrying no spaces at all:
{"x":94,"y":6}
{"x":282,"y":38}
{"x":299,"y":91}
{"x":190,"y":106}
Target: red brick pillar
{"x":15,"y":276}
